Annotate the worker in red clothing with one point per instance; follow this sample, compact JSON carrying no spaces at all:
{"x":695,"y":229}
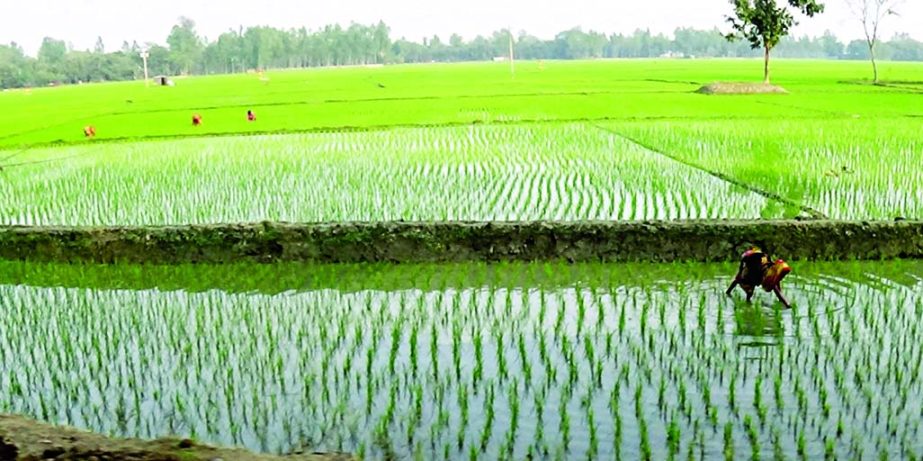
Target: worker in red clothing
{"x":196,"y":119}
{"x":89,"y":131}
{"x":251,"y":116}
{"x":757,"y":269}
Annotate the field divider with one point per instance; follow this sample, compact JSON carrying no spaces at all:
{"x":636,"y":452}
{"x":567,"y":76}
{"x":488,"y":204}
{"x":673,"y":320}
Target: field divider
{"x":413,"y":242}
{"x":814,"y":214}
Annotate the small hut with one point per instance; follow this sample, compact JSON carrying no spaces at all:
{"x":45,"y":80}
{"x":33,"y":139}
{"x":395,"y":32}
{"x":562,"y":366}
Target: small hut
{"x":163,"y":80}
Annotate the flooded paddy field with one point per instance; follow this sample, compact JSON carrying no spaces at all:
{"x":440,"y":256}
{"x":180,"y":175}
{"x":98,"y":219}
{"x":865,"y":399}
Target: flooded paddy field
{"x":473,"y":361}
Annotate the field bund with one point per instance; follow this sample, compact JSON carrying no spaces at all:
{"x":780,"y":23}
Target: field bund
{"x":403,"y":242}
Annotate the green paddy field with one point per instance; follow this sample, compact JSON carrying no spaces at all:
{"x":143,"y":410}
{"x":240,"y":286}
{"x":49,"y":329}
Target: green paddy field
{"x":561,"y":141}
{"x":542,"y":360}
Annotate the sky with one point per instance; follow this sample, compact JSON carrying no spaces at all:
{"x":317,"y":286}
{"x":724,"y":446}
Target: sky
{"x":80,"y":22}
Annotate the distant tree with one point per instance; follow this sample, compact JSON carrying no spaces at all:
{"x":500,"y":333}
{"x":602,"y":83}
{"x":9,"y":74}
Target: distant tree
{"x":52,"y":51}
{"x":15,"y":70}
{"x":903,"y":47}
{"x":832,"y":47}
{"x":51,"y":61}
{"x":871,"y":13}
{"x":381,"y":39}
{"x":185,"y":45}
{"x":529,"y":47}
{"x":857,"y":50}
{"x":226,"y":54}
{"x":247,"y":48}
{"x":158,"y":60}
{"x":763,"y":23}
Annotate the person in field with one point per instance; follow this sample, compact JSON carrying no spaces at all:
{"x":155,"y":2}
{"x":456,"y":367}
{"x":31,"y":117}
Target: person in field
{"x":196,"y":119}
{"x":758,"y":270}
{"x":89,"y":131}
{"x":251,"y":116}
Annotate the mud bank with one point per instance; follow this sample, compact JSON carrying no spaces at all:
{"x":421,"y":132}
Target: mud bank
{"x":26,"y":439}
{"x":400,"y":242}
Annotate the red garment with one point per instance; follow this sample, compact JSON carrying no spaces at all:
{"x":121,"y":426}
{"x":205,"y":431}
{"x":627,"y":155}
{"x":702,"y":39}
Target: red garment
{"x":775,"y":274}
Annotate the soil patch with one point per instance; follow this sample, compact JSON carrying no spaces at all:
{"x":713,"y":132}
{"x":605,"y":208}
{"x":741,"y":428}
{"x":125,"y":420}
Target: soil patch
{"x":407,"y":242}
{"x":741,"y":88}
{"x":23,"y":439}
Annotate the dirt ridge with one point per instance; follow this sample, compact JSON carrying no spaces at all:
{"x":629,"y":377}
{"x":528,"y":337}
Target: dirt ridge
{"x":25,"y":439}
{"x":410,"y":242}
{"x":739,"y":88}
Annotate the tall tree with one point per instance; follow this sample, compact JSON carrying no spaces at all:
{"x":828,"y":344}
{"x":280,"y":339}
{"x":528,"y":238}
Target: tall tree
{"x":52,"y":51}
{"x":14,"y":67}
{"x":764,"y":22}
{"x":381,"y":38}
{"x":52,"y":61}
{"x":185,"y":45}
{"x":871,"y":13}
{"x":832,"y":47}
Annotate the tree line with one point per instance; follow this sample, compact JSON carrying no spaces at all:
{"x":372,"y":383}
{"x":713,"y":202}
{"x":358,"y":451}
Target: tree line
{"x":185,"y":51}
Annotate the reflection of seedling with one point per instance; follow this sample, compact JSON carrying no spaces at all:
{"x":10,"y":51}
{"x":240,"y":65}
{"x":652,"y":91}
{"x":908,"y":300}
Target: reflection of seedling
{"x":802,"y":444}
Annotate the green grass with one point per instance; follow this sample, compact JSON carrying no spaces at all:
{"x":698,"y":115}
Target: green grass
{"x":338,"y":357}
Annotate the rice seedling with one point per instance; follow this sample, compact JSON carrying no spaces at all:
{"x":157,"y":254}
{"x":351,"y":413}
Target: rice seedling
{"x":487,"y":173}
{"x":384,"y":361}
{"x":842,"y":168}
{"x":728,"y":441}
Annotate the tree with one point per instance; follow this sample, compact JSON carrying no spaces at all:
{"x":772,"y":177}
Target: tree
{"x":51,"y":60}
{"x":158,"y":59}
{"x":903,"y":47}
{"x":185,"y":45}
{"x":832,"y":47}
{"x":763,"y":23}
{"x":52,"y":51}
{"x":870,"y":13}
{"x":15,"y":70}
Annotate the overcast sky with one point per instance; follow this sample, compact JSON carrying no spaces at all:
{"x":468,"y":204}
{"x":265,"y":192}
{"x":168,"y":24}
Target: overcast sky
{"x":81,"y":21}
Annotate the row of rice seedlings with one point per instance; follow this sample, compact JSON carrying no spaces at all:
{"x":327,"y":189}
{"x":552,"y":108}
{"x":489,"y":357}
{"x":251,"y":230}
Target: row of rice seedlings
{"x":553,"y":172}
{"x":442,"y":373}
{"x":846,"y":168}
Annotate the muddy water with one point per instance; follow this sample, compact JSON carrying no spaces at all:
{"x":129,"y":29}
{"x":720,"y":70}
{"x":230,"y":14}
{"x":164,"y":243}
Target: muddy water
{"x":449,"y":362}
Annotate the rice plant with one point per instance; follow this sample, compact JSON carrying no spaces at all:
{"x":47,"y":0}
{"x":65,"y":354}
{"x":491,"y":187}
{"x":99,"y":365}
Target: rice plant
{"x":404,"y":361}
{"x":551,"y":172}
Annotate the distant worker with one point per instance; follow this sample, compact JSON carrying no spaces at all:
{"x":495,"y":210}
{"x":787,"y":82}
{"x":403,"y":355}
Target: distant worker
{"x":756,"y":269}
{"x":251,"y":116}
{"x":196,"y":119}
{"x":89,"y":131}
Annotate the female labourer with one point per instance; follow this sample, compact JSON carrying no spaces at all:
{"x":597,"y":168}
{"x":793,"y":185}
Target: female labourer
{"x":757,"y":269}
